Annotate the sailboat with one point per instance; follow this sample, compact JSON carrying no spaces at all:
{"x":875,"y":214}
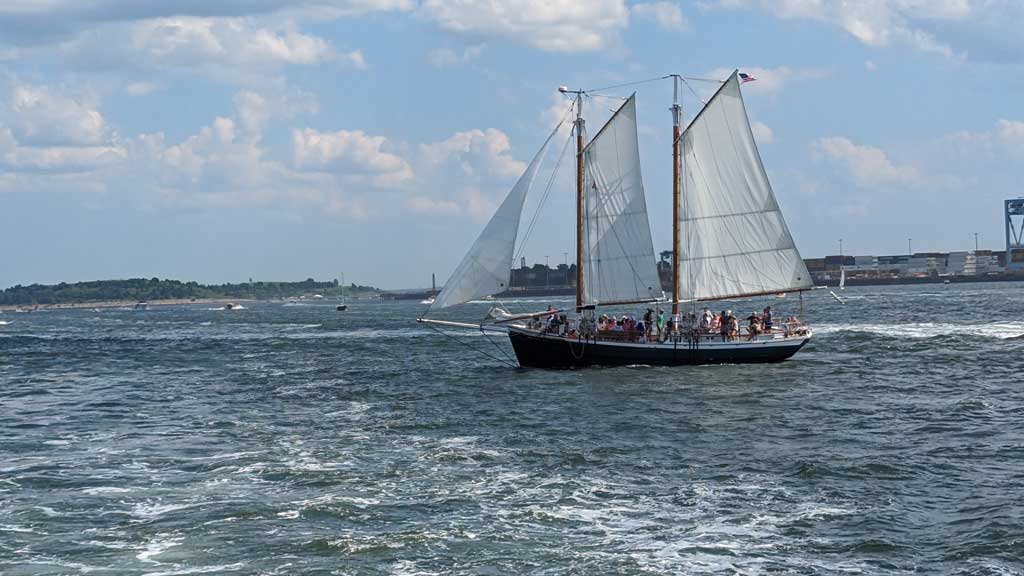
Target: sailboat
{"x":842,"y":278}
{"x":343,"y":307}
{"x":729,"y":241}
{"x":433,"y":291}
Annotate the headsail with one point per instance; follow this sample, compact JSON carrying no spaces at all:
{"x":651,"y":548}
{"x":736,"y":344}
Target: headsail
{"x":618,"y":254}
{"x":734,"y":240}
{"x":485,"y":269}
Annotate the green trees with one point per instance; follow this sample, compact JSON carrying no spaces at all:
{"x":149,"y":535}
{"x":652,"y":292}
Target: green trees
{"x":135,"y":289}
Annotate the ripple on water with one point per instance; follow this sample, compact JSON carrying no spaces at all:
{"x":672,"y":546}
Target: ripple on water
{"x":297,"y":440}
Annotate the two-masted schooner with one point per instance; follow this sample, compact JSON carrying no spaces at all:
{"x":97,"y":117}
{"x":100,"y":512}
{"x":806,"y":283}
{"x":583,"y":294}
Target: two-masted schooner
{"x":728,"y":235}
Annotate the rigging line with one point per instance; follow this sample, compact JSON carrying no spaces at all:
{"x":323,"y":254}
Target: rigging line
{"x":602,"y":206}
{"x":543,"y":200}
{"x":499,"y":349}
{"x":694,"y":92}
{"x":627,"y":84}
{"x":684,"y":78}
{"x":467,"y":345}
{"x":607,"y":96}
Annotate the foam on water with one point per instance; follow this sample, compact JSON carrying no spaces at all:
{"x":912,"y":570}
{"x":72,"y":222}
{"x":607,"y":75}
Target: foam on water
{"x":292,"y":439}
{"x":1001,"y":330}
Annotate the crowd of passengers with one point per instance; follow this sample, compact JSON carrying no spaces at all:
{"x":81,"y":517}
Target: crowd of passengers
{"x":654,"y":326}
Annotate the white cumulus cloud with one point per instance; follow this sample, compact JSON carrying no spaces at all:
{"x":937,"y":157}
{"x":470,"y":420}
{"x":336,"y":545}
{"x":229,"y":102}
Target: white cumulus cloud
{"x":551,"y":25}
{"x":350,"y":152}
{"x":229,"y":49}
{"x":37,"y":115}
{"x":868,"y":166}
{"x":668,"y":15}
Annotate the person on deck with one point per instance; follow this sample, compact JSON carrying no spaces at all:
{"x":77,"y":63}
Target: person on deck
{"x":648,"y":323}
{"x":755,"y":326}
{"x":705,"y":321}
{"x":734,"y":326}
{"x":723,"y":326}
{"x":661,"y":323}
{"x":766,"y":320}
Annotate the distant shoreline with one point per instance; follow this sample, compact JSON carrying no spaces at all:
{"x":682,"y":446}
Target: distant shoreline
{"x":122,"y":304}
{"x":854,"y":281}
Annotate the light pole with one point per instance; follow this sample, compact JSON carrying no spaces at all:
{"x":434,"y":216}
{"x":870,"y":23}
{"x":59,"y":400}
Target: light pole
{"x":975,"y":242}
{"x":910,"y":251}
{"x":840,"y":247}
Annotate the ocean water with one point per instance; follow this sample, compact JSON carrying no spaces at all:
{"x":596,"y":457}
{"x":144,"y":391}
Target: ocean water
{"x":300,"y":440}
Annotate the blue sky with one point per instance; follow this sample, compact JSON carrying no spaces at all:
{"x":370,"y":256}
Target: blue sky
{"x":217,"y":141}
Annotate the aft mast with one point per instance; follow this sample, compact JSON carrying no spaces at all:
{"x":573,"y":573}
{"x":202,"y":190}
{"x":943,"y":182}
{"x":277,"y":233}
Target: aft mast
{"x":677,"y":113}
{"x":578,"y":127}
{"x":579,"y":200}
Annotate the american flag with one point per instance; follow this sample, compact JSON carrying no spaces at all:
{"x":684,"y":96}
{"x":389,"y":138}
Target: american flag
{"x":746,"y":78}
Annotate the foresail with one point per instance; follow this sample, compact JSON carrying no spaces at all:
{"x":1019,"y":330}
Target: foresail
{"x":485,"y":269}
{"x":734,"y":240}
{"x":618,"y":254}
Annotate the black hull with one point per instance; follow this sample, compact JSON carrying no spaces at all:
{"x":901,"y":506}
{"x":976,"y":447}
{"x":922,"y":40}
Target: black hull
{"x":540,"y":351}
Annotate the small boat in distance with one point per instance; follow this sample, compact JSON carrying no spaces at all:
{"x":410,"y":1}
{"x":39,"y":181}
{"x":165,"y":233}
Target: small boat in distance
{"x":433,"y":291}
{"x":143,"y":305}
{"x":230,"y":306}
{"x":343,"y":307}
{"x":842,"y":278}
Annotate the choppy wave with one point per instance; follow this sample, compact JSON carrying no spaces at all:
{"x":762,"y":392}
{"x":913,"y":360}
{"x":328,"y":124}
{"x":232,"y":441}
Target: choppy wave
{"x":292,"y":440}
{"x":1001,"y":330}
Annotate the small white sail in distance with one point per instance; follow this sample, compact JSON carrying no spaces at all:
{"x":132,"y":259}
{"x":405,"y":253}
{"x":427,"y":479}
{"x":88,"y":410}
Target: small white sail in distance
{"x":842,"y":278}
{"x":734,"y":240}
{"x":485,"y":269}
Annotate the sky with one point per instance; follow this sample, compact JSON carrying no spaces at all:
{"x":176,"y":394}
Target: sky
{"x":221,"y":141}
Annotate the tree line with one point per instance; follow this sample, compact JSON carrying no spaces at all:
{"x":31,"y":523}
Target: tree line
{"x":138,"y":289}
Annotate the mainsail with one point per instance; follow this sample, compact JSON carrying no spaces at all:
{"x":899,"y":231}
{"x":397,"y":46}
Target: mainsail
{"x":618,"y":254}
{"x":734,"y":241}
{"x":485,"y":269}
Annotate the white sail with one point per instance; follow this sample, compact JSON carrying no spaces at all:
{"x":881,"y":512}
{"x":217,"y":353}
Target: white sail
{"x":485,"y":269}
{"x":618,"y":254}
{"x":842,"y":278}
{"x":733,"y":240}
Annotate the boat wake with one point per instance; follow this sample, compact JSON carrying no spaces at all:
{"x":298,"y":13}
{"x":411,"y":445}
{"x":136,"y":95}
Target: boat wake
{"x":999,"y":330}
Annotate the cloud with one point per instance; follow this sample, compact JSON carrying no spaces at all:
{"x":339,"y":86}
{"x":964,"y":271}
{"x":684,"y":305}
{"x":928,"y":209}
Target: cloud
{"x":350,"y":152}
{"x":141,"y":88}
{"x":666,"y":14}
{"x":446,"y":57}
{"x":468,"y":173}
{"x":35,"y":23}
{"x":476,"y":152}
{"x":762,"y":133}
{"x":549,"y":25}
{"x":866,"y":165}
{"x":234,"y":49}
{"x":60,"y":159}
{"x":47,"y":134}
{"x":36,"y":115}
{"x":879,"y":23}
{"x":771,"y":81}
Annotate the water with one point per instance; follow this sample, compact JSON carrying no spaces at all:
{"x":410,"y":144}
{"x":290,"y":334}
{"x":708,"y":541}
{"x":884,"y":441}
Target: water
{"x":296,"y":439}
